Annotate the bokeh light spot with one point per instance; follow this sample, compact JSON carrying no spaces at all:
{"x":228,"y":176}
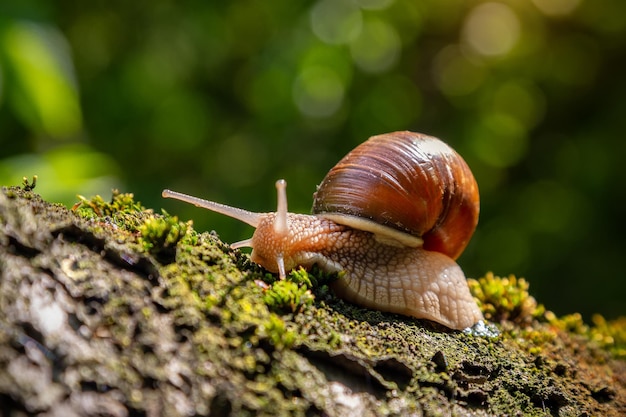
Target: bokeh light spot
{"x":336,"y":21}
{"x":329,"y":56}
{"x":377,"y":48}
{"x":318,"y":92}
{"x":374,"y":4}
{"x":556,"y":7}
{"x":64,"y":172}
{"x":44,"y":93}
{"x":491,"y":29}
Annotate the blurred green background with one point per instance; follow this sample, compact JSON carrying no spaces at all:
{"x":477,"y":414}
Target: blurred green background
{"x":219,"y":99}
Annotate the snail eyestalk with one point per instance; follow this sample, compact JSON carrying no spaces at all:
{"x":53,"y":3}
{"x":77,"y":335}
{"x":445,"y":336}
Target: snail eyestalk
{"x":280,"y":224}
{"x":281,"y":228}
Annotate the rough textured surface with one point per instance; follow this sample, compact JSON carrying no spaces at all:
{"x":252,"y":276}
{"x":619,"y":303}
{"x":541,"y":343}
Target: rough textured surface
{"x":114,"y":310}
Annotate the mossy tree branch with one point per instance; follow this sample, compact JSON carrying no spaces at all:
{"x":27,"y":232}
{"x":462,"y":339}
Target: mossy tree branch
{"x":111,"y":309}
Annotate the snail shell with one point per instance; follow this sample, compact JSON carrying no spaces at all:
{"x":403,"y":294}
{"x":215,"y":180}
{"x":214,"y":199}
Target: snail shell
{"x":407,"y":182}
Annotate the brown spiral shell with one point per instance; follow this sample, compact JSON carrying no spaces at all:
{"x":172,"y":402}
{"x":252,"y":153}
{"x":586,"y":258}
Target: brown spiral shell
{"x":407,"y":181}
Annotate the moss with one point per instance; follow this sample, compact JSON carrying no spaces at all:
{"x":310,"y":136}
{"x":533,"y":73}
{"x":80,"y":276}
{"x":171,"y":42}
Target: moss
{"x":29,"y":186}
{"x":289,"y":295}
{"x":508,"y":299}
{"x":610,"y":335}
{"x":571,"y":323}
{"x":276,"y":330}
{"x":122,"y":210}
{"x":505,"y":299}
{"x":160,"y":234}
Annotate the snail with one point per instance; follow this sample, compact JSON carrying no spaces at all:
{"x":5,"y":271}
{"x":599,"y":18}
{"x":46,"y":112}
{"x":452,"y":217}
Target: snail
{"x":392,"y":216}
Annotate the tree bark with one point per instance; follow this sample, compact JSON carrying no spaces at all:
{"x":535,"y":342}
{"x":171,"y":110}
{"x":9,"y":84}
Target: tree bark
{"x":112,"y":310}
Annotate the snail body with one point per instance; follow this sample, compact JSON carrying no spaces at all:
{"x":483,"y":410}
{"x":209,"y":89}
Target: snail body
{"x":393,"y":215}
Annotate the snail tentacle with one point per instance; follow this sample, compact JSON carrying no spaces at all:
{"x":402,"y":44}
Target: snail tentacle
{"x":245,"y":216}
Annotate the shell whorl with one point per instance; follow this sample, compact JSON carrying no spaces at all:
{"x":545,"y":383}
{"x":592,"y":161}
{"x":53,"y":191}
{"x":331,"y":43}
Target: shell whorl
{"x":406,"y":181}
